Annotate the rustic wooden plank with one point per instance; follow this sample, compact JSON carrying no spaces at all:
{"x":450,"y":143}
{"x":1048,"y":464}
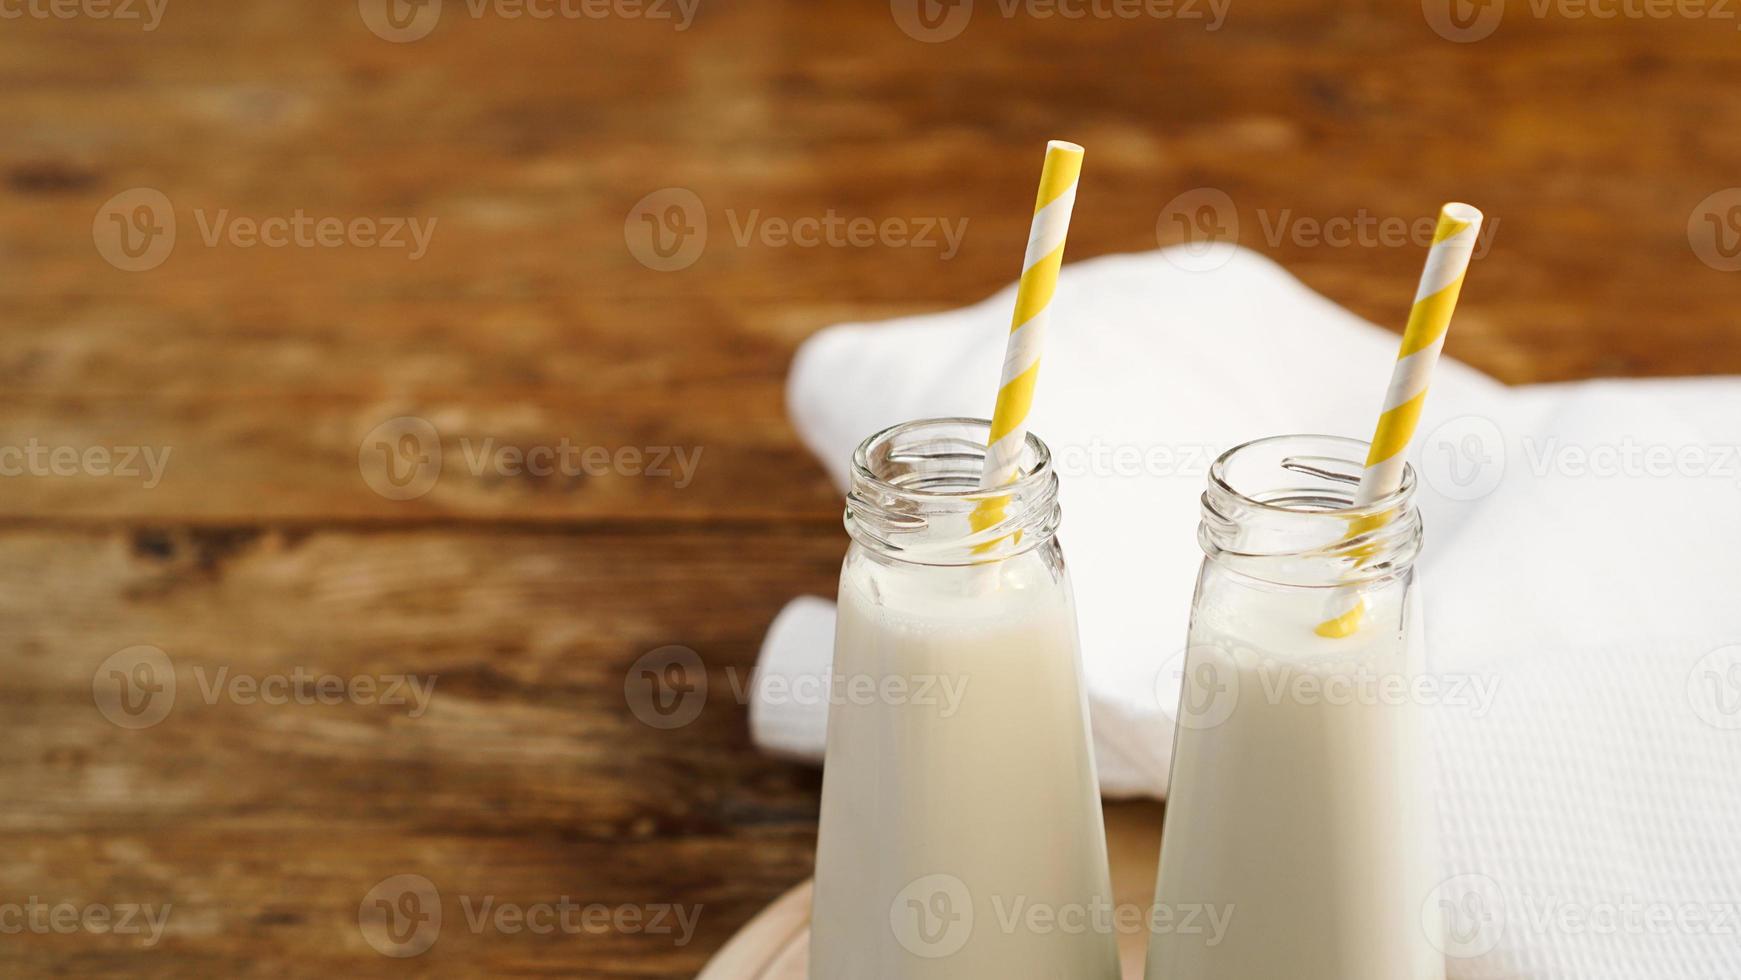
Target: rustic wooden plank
{"x":530,"y":317}
{"x":529,"y":773}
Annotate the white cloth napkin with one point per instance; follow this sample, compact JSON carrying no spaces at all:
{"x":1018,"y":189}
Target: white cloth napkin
{"x":1581,"y":577}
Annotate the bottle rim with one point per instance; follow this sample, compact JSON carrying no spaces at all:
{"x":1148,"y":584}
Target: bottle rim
{"x":1357,"y":450}
{"x":1036,"y":468}
{"x":1281,"y":509}
{"x":915,"y":496}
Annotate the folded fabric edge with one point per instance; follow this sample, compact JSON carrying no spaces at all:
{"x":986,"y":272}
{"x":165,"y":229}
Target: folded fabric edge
{"x":788,"y":714}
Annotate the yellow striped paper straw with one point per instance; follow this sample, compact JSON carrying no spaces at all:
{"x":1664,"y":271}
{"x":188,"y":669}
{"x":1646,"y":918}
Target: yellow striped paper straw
{"x":1422,"y":340}
{"x":1021,"y":366}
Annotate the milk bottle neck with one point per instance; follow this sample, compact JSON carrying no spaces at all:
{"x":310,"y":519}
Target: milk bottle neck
{"x":915,"y":496}
{"x":1281,"y":510}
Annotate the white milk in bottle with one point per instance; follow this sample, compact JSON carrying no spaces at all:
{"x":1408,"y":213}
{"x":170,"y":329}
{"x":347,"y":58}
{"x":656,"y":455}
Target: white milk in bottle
{"x":1299,"y":805}
{"x":961,"y":831}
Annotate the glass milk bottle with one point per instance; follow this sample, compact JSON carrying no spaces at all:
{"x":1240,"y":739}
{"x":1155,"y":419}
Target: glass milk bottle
{"x":1299,"y":811}
{"x":961,"y":832}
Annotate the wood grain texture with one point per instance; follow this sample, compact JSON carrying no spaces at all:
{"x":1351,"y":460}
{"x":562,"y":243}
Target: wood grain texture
{"x":528,"y":774}
{"x":530,"y":319}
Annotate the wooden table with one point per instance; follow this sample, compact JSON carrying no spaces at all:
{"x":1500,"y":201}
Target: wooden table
{"x":266,"y":553}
